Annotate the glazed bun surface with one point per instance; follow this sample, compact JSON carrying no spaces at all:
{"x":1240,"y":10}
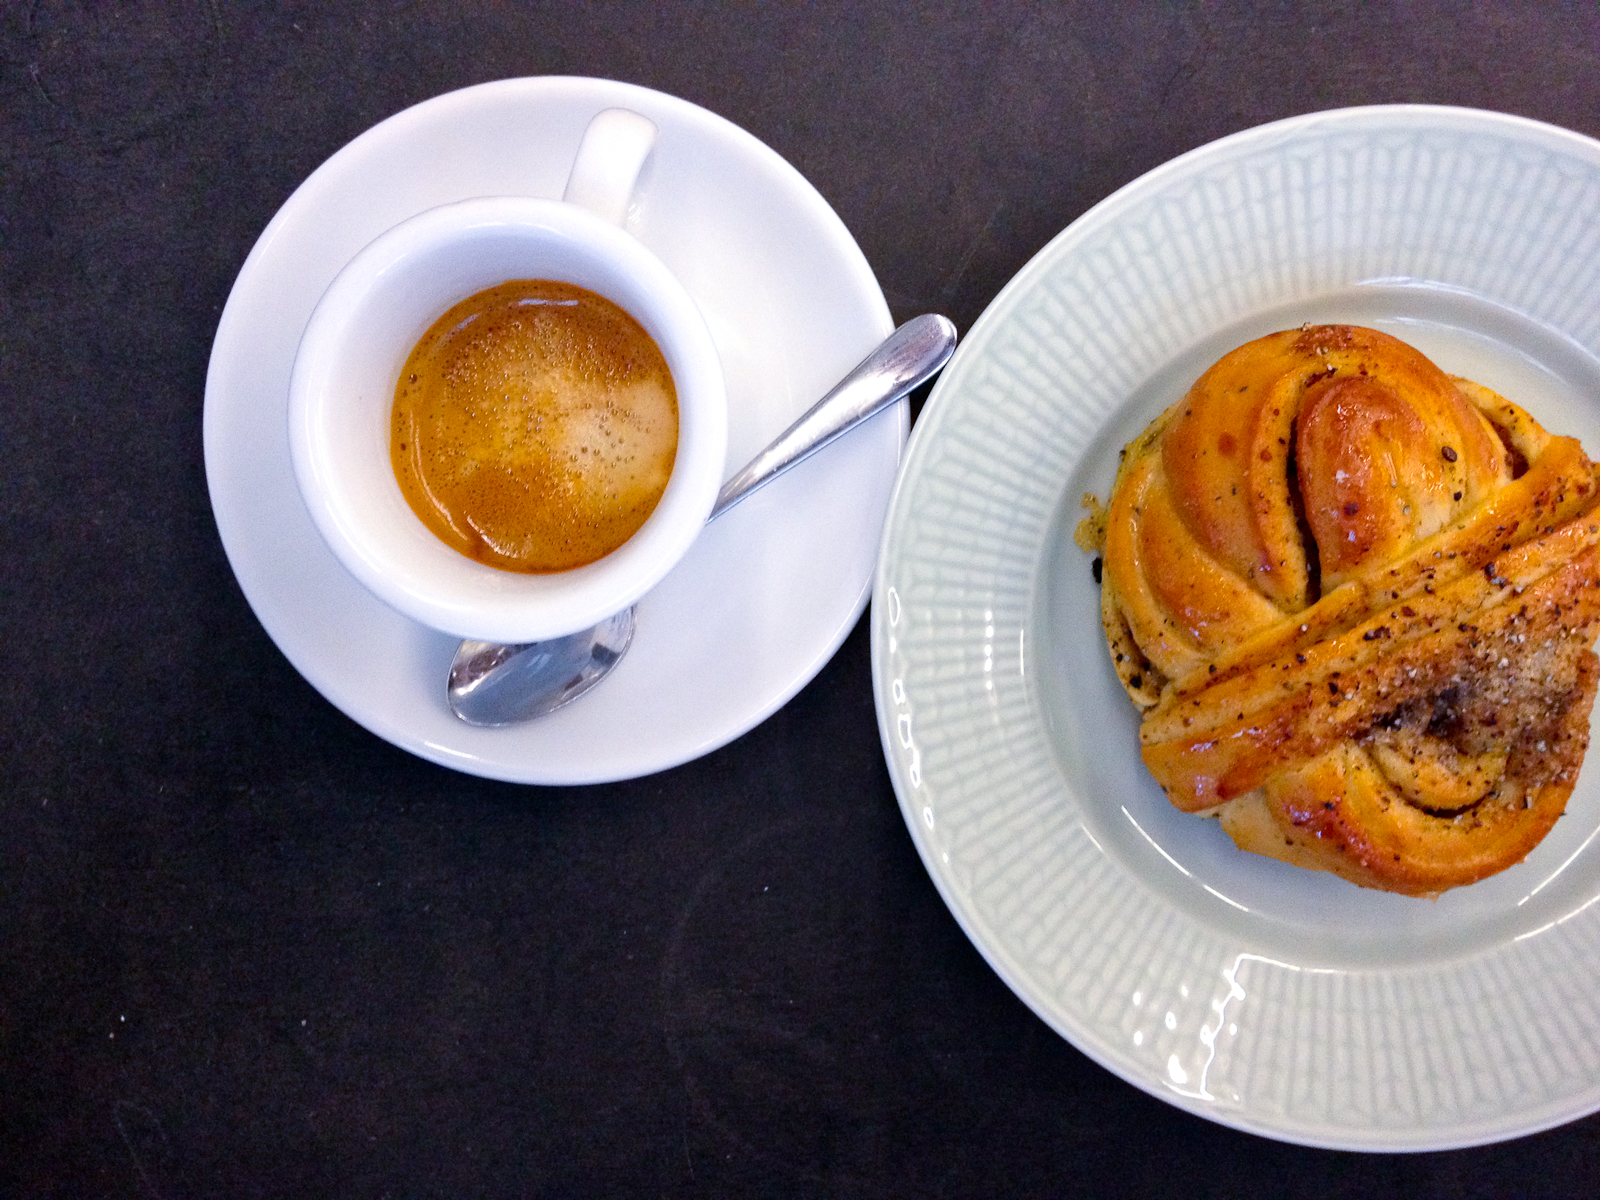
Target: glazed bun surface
{"x":1354,"y":598}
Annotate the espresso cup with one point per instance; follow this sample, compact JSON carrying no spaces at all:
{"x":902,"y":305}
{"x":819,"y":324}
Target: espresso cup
{"x":342,"y":392}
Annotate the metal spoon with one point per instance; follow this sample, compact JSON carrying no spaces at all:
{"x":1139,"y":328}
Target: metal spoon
{"x":491,"y":684}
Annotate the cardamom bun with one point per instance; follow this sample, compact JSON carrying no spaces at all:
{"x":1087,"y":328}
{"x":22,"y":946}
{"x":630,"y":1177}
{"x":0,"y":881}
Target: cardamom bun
{"x":1354,"y":598}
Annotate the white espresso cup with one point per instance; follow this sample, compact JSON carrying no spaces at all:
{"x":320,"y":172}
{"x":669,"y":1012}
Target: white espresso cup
{"x":342,"y":390}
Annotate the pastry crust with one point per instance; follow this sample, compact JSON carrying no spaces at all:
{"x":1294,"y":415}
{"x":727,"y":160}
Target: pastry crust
{"x":1355,"y":600}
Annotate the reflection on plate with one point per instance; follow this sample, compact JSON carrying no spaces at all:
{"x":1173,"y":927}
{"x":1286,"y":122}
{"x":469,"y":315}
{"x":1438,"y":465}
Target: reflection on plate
{"x":1259,"y":995}
{"x":763,"y":598}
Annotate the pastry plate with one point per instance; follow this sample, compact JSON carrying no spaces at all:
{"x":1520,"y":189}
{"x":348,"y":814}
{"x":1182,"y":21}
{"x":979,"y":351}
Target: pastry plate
{"x":767,"y":593}
{"x":1262,"y":996}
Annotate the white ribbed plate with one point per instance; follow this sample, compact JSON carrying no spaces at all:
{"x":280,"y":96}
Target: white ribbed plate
{"x":1259,"y":995}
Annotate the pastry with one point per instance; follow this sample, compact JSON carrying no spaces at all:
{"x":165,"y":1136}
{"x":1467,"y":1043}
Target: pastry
{"x":1354,"y":599}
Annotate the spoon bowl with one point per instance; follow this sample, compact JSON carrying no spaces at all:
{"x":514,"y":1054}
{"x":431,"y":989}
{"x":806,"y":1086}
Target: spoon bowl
{"x":493,"y":684}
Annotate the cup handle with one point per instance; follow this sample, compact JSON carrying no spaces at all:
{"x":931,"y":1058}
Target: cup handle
{"x":609,"y":159}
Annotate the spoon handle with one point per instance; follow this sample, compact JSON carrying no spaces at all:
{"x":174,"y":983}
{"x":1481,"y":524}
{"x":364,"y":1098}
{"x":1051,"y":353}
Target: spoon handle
{"x":909,"y":356}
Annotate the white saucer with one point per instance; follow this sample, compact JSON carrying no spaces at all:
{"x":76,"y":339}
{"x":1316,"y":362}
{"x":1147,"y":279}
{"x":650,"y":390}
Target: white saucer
{"x":766,"y":595}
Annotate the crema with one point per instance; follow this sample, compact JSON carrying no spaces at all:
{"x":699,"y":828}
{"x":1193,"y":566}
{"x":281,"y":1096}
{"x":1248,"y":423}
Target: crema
{"x":534,"y":427}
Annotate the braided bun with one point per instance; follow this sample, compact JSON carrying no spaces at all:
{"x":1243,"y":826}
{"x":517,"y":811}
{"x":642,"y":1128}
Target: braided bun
{"x":1354,"y":598}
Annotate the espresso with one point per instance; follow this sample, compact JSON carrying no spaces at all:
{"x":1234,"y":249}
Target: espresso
{"x":535,"y":426}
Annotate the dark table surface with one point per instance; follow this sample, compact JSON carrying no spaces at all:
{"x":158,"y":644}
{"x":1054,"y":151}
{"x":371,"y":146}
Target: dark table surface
{"x":248,"y":948}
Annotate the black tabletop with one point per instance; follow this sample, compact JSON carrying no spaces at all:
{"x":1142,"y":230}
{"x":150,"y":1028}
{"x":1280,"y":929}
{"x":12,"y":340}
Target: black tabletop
{"x":247,"y":948}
